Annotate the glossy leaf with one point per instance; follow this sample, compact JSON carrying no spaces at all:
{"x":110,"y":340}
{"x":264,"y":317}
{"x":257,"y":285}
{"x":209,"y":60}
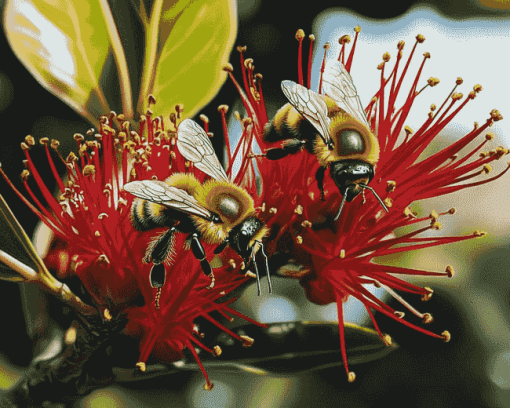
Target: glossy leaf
{"x":64,"y":44}
{"x":188,"y":43}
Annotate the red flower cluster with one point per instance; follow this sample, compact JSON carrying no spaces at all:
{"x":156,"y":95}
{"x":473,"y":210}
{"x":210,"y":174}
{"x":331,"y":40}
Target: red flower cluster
{"x":94,"y":238}
{"x":336,"y":258}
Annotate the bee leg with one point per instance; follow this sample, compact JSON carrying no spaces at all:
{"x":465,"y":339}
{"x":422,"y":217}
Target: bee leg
{"x":319,"y":176}
{"x":267,"y":268}
{"x":157,"y":278}
{"x":199,"y":253}
{"x":162,"y":247}
{"x":256,"y":271}
{"x":158,"y":254}
{"x":290,"y":146}
{"x":220,"y":248}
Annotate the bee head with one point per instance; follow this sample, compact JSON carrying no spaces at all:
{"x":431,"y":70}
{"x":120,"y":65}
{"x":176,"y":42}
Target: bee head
{"x":241,"y":235}
{"x":351,"y":177}
{"x":349,"y":174}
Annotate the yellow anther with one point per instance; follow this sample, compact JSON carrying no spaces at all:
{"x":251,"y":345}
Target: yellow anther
{"x":435,"y":225}
{"x":433,"y":81}
{"x":428,"y":295}
{"x":70,"y":336}
{"x":223,"y":109}
{"x":228,"y":67}
{"x":247,"y":341}
{"x":107,"y":315}
{"x":344,"y":39}
{"x":449,"y":271}
{"x":89,"y":170}
{"x":103,"y":258}
{"x":427,"y":318}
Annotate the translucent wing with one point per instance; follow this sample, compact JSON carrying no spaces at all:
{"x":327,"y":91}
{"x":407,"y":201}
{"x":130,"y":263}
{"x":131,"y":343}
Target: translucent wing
{"x":195,"y":146}
{"x":311,"y":106}
{"x":337,"y":84}
{"x":160,"y":192}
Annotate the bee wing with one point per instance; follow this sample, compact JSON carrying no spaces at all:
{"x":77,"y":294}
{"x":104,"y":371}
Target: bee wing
{"x":159,"y":192}
{"x":337,"y":84}
{"x":195,"y":146}
{"x":310,"y":105}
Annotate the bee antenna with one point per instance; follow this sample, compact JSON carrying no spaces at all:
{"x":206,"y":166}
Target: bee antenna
{"x":256,"y":270}
{"x":376,"y":196}
{"x":342,"y":204}
{"x":267,"y":266}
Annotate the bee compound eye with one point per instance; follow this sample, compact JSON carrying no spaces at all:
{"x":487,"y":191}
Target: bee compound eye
{"x":350,"y":142}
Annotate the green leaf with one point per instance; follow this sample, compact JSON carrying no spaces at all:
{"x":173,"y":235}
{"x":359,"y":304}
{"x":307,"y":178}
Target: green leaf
{"x":64,"y":44}
{"x":187,"y":45}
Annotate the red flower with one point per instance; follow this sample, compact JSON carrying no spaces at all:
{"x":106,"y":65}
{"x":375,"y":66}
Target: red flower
{"x":337,"y":257}
{"x":94,"y":238}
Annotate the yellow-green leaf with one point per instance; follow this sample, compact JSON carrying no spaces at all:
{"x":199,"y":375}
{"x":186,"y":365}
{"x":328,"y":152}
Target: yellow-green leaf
{"x":64,"y":44}
{"x":188,"y":43}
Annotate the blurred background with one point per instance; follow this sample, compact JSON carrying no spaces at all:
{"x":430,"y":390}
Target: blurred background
{"x":469,"y":39}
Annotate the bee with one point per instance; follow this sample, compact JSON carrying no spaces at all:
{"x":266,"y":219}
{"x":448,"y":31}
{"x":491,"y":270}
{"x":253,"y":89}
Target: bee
{"x":334,"y":127}
{"x":217,"y":211}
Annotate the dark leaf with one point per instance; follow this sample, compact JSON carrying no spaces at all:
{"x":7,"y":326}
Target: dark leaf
{"x":280,"y":349}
